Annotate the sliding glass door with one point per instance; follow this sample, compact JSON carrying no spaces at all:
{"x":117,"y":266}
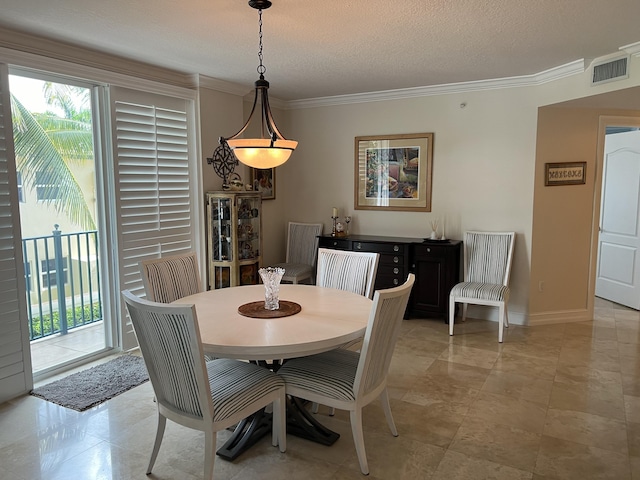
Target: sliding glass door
{"x":94,"y":178}
{"x":54,"y":126}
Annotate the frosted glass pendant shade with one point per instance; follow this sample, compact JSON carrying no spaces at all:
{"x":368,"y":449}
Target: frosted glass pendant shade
{"x":258,"y":152}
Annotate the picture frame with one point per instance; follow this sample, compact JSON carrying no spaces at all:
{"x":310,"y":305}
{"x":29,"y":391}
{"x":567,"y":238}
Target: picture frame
{"x":264,"y":181}
{"x":565,"y":173}
{"x":394,"y":172}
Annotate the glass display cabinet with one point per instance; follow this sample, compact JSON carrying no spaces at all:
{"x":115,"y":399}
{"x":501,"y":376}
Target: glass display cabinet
{"x":234,"y":243}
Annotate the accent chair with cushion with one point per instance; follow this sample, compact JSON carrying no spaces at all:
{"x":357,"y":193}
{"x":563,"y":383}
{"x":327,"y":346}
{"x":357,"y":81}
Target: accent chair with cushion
{"x":487,"y":264}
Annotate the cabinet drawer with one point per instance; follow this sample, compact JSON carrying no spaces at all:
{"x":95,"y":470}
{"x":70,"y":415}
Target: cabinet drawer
{"x":379,"y":247}
{"x":336,"y":243}
{"x":391,"y":260}
{"x":429,"y":250}
{"x":391,"y":270}
{"x":388,"y":281}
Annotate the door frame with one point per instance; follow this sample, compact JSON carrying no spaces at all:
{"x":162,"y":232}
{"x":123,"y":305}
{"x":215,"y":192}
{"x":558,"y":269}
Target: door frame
{"x":604,"y":122}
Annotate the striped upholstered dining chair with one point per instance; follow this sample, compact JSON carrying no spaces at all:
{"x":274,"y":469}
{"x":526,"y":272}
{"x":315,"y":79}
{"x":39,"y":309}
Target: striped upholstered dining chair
{"x":302,"y":247}
{"x":351,"y":380}
{"x":209,"y":396}
{"x":487,"y":264}
{"x":170,"y":278}
{"x":346,"y":270}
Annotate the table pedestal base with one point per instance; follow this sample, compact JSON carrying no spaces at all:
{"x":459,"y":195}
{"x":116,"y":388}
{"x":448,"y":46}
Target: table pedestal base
{"x":246,"y":433}
{"x":299,"y":423}
{"x":303,"y":424}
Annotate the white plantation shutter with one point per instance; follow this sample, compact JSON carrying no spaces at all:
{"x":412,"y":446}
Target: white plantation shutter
{"x":154,"y":193}
{"x":15,"y":357}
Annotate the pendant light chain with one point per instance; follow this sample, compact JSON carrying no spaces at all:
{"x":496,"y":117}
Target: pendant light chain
{"x":261,"y":68}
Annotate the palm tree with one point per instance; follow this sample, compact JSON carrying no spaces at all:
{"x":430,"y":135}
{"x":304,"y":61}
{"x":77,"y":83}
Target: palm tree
{"x":47,"y":145}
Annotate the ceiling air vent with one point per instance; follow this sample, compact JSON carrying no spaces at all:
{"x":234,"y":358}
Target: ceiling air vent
{"x":610,"y":70}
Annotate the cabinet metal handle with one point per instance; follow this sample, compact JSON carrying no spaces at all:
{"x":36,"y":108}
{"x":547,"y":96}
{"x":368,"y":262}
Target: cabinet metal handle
{"x":335,"y":243}
{"x":395,"y":281}
{"x":396,"y":248}
{"x":396,"y":259}
{"x":359,"y":246}
{"x":396,"y":270}
{"x":428,"y":250}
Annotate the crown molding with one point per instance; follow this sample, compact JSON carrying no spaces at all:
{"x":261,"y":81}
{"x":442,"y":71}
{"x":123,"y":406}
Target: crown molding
{"x":223,"y":86}
{"x":573,"y":68}
{"x":632,"y":49}
{"x":22,"y":47}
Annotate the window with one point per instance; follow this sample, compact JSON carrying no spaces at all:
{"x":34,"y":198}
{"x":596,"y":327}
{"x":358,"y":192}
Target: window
{"x":153,"y":175}
{"x":45,"y":190}
{"x":48,"y":272}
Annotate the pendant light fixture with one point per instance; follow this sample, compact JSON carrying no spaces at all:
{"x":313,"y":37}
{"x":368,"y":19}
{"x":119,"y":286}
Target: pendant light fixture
{"x":271,"y":149}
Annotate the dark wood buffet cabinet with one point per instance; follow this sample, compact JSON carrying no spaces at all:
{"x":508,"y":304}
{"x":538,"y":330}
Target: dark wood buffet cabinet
{"x":436,"y":265}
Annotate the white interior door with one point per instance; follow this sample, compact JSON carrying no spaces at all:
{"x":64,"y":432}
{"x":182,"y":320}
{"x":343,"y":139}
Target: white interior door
{"x":618,"y":273}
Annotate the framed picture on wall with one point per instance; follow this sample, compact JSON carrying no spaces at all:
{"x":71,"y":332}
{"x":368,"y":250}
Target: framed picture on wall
{"x":565,"y":173}
{"x":264,"y":181}
{"x":393,"y":172}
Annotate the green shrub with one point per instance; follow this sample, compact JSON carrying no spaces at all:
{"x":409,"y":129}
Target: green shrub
{"x":76,"y":317}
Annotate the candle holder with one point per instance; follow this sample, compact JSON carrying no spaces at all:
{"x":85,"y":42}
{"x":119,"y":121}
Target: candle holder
{"x":334,"y":232}
{"x":347,"y":220}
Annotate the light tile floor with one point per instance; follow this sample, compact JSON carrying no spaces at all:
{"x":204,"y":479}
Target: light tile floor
{"x":555,"y":402}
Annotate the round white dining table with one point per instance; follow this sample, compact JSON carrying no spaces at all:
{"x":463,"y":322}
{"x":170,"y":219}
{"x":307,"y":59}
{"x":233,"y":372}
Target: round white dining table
{"x":328,"y":318}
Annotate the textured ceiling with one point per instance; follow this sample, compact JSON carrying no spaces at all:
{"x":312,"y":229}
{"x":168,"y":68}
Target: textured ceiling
{"x":338,"y":47}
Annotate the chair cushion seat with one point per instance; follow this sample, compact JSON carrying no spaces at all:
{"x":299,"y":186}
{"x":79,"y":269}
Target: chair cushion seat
{"x":481,"y":291}
{"x":330,"y":374}
{"x":295,"y":270}
{"x":236,"y":384}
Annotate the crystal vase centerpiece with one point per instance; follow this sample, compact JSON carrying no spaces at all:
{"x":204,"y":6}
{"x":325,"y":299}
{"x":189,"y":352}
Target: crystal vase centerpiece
{"x":271,"y":277}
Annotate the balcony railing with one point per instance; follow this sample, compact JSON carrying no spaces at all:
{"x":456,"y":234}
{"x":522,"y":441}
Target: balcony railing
{"x":62,"y":275}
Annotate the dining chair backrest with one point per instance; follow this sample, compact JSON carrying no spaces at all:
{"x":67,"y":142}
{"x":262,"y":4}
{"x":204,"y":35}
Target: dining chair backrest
{"x":170,"y":343}
{"x":488,"y":257}
{"x":302,"y":243}
{"x":346,"y":270}
{"x":170,"y":278}
{"x":380,"y":337}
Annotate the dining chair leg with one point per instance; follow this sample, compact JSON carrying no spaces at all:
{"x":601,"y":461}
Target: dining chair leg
{"x":464,"y":311}
{"x":358,"y":439}
{"x":162,"y":422}
{"x":315,"y":406}
{"x":386,"y":406}
{"x":452,"y":314}
{"x":209,"y":454}
{"x":501,"y":313}
{"x":506,"y":316}
{"x":279,"y":429}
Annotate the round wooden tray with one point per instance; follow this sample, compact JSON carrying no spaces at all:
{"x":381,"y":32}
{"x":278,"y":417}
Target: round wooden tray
{"x":257,"y":310}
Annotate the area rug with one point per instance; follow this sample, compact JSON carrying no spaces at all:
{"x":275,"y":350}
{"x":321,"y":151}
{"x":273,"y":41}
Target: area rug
{"x":95,"y":385}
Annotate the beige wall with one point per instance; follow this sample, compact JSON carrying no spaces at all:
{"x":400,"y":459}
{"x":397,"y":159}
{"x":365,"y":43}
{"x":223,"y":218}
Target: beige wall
{"x":483,"y":166}
{"x":488,"y":167}
{"x":563,"y":221}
